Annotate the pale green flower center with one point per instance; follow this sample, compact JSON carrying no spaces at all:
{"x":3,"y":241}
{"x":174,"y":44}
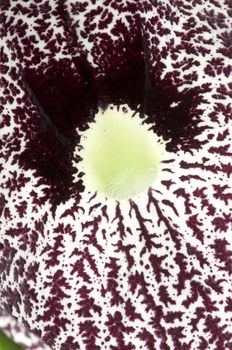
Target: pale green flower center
{"x":120,"y":156}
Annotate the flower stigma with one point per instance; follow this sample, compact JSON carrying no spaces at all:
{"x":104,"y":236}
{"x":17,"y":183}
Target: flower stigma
{"x":120,"y":155}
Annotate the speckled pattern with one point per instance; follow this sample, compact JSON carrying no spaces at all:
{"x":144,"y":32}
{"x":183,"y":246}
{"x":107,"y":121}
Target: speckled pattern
{"x":153,"y":273}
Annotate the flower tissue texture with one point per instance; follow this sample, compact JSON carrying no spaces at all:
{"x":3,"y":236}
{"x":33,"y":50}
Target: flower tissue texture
{"x":101,"y":264}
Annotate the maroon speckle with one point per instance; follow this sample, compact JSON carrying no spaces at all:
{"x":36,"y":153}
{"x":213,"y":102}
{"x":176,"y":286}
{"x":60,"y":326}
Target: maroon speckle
{"x":84,"y":273}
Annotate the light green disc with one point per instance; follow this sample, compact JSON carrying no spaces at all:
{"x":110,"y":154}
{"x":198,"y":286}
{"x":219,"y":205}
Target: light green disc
{"x":121,"y":157}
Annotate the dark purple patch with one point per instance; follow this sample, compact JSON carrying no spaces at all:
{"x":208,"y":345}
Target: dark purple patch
{"x":67,"y":98}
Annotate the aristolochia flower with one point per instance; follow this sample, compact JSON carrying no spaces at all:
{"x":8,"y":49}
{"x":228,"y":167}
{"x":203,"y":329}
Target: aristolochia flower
{"x":116,"y":174}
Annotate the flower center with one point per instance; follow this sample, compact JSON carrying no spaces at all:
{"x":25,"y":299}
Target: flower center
{"x":120,"y":156}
